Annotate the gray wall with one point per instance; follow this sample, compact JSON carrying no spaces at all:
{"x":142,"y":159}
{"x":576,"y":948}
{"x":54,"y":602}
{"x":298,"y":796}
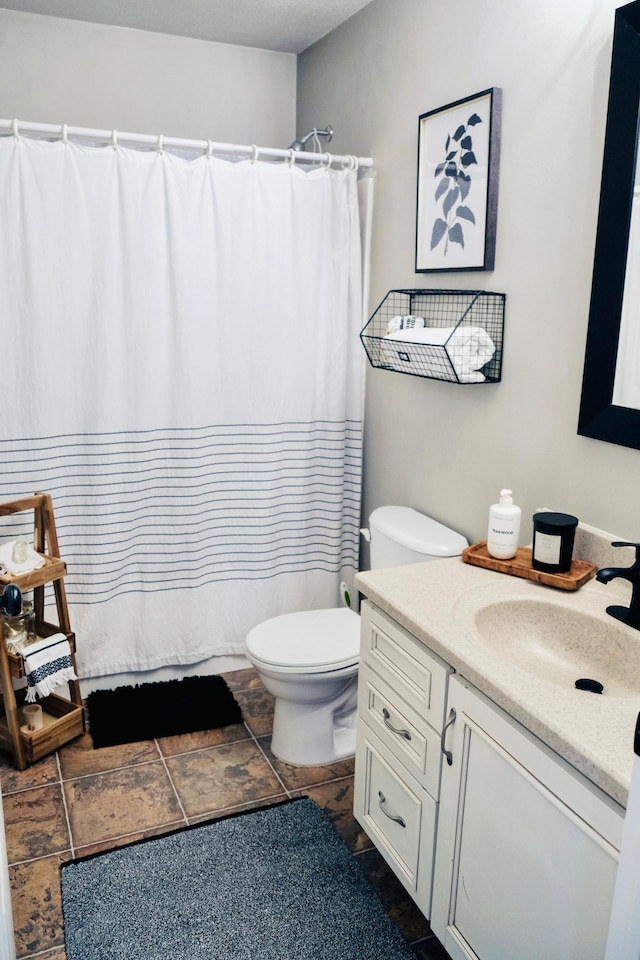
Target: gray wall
{"x":439,"y":447}
{"x":62,"y":71}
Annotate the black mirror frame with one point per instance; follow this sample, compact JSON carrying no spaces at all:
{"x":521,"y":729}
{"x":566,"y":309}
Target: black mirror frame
{"x":599,"y":417}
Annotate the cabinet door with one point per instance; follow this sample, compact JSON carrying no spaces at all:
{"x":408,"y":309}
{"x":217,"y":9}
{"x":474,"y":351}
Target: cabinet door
{"x":527,"y":849}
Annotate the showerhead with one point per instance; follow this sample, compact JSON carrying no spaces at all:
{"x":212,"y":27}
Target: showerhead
{"x":301,"y":142}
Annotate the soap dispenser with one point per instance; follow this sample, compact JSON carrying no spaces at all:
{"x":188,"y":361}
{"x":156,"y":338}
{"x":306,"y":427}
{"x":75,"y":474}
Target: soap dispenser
{"x":504,"y":527}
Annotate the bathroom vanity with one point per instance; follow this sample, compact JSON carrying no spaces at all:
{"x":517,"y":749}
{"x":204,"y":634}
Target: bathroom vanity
{"x":492,"y":786}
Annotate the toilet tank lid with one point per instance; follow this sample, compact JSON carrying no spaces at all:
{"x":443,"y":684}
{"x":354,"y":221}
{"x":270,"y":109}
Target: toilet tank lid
{"x":417,"y":532}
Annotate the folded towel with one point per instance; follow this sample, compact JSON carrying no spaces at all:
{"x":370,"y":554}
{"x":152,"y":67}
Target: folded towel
{"x":48,"y":664}
{"x":405,"y":323}
{"x":32,"y":560}
{"x":468,"y":348}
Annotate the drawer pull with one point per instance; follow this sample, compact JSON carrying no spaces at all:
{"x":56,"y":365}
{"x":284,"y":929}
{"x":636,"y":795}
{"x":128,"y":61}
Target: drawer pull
{"x":382,"y":801}
{"x":450,"y":719}
{"x":398,"y":732}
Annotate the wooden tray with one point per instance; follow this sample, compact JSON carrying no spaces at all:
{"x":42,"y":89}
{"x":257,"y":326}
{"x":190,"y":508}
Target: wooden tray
{"x":520,"y":566}
{"x":63,"y":720}
{"x":54,"y":568}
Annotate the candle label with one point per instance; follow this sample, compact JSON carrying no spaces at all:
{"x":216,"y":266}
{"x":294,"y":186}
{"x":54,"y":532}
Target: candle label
{"x":547,"y":548}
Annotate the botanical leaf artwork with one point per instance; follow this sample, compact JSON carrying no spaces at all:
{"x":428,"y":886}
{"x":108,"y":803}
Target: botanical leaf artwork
{"x":454,"y":184}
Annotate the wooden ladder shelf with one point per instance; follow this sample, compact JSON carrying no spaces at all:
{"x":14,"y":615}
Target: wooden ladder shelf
{"x":63,"y":719}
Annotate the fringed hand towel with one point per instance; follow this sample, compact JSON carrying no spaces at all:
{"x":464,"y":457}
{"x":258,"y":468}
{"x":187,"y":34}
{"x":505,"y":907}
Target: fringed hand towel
{"x":48,"y":664}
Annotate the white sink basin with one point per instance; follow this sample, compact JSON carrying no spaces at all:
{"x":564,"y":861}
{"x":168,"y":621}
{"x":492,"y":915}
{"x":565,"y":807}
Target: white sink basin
{"x":557,"y":643}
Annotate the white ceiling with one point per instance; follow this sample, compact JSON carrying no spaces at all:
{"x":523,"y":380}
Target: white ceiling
{"x":289,"y":26}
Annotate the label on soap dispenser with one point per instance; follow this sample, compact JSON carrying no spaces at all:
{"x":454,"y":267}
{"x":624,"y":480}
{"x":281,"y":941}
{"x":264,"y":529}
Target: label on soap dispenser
{"x":547,"y":548}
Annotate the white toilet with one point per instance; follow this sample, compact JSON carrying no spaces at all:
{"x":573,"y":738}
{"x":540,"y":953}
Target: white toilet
{"x":309,"y":660}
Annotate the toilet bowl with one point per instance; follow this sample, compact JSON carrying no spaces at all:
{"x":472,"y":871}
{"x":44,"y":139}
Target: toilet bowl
{"x":309,"y":662}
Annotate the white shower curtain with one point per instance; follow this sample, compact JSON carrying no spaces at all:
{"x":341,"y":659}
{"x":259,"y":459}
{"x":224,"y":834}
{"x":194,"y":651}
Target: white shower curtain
{"x":182,"y":372}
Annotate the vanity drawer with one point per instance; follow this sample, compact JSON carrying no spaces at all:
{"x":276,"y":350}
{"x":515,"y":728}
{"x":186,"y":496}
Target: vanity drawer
{"x":398,"y":815}
{"x":404,"y":664}
{"x":407,"y":735}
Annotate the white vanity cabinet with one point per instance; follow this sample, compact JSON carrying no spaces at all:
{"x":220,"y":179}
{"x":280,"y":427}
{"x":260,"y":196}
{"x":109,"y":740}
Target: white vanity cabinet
{"x":527,"y":848}
{"x":508,"y":850}
{"x":402,"y":692}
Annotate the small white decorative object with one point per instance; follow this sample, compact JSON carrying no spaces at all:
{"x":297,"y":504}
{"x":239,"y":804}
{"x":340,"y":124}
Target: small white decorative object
{"x":20,"y":550}
{"x":32,"y":719}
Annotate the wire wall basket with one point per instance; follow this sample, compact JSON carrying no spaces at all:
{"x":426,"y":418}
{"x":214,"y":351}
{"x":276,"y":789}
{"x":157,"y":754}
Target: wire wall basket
{"x":453,"y":335}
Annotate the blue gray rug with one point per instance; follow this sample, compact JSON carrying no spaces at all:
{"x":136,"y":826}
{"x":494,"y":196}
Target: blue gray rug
{"x":272,"y":884}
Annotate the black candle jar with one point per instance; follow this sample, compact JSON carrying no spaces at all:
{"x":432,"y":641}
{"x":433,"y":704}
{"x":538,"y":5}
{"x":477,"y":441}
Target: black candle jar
{"x":553,"y":536}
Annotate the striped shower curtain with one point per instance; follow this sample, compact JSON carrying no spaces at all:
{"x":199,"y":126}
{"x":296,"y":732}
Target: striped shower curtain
{"x":181,"y":371}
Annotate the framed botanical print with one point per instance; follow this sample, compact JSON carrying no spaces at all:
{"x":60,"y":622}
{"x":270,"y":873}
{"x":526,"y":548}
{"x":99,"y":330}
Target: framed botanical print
{"x":457,"y":202}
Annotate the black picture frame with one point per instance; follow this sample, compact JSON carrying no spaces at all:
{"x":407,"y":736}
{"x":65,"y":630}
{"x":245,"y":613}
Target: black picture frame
{"x":599,"y":418}
{"x":457,"y":184}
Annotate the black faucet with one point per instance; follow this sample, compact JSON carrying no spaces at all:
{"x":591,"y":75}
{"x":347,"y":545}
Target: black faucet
{"x":631,"y":614}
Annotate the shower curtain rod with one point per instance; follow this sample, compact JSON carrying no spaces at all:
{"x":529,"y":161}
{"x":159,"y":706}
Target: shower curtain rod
{"x":208,"y":147}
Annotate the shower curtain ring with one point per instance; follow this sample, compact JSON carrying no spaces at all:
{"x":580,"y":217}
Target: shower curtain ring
{"x":328,"y":161}
{"x":65,"y":139}
{"x":292,"y":157}
{"x":114,"y":139}
{"x":161,"y":144}
{"x":14,"y":127}
{"x":353,"y":162}
{"x":254,"y":153}
{"x":209,"y":149}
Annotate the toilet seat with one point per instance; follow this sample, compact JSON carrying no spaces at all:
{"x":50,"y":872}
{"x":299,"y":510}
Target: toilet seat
{"x":309,"y":641}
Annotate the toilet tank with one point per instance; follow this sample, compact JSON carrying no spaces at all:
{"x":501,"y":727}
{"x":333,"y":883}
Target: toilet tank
{"x":401,"y":535}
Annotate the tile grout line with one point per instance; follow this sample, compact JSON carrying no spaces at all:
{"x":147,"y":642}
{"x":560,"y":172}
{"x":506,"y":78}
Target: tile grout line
{"x":171,"y":781}
{"x":292,"y":790}
{"x":66,"y":806}
{"x":178,"y":824}
{"x":209,"y":746}
{"x":50,"y":952}
{"x":99,"y":773}
{"x":275,"y":772}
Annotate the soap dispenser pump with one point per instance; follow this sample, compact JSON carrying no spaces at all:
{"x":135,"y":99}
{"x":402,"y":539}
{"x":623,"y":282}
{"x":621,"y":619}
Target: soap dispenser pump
{"x":504,"y":527}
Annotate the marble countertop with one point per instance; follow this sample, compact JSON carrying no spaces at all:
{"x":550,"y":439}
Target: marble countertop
{"x":438,"y":601}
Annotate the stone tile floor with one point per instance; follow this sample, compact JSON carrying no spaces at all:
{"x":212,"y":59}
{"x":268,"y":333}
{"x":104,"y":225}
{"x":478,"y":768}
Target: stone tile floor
{"x":79,"y":800}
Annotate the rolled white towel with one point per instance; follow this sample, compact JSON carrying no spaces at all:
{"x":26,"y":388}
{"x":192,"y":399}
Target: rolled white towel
{"x":408,"y":322}
{"x":468,"y":348}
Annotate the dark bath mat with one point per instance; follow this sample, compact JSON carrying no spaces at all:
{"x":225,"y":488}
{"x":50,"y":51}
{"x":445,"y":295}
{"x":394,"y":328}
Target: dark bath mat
{"x":276,"y":883}
{"x":164,"y":709}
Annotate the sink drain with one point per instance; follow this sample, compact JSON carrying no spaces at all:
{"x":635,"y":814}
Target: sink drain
{"x":593,"y":686}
